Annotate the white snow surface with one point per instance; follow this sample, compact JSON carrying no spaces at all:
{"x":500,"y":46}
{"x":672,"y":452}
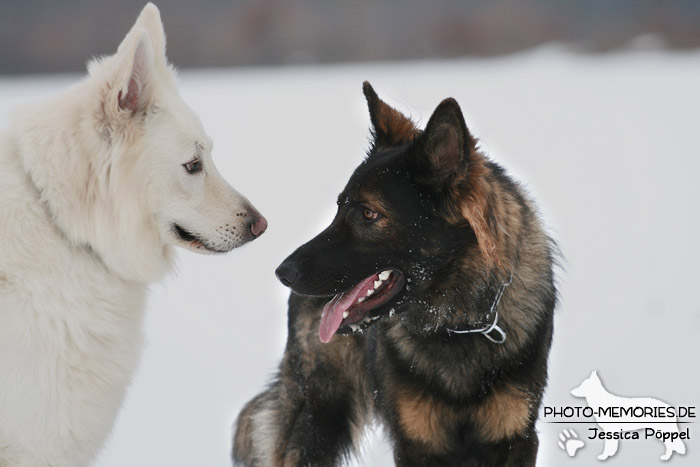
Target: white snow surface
{"x":607,"y":144}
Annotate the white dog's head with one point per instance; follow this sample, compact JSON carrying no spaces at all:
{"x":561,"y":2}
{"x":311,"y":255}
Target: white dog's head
{"x":131,"y":172}
{"x":192,"y":203}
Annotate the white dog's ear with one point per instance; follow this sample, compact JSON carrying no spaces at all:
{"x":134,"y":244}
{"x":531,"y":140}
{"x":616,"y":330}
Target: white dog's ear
{"x":140,"y":62}
{"x":136,"y":74}
{"x":149,"y":19}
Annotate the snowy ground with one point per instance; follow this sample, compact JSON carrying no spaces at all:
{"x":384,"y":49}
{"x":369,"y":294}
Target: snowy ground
{"x":607,"y":144}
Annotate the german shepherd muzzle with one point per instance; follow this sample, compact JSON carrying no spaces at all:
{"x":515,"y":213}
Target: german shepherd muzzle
{"x":427,"y":303}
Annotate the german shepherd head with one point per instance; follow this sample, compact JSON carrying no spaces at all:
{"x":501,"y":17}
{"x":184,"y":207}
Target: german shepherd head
{"x":411,"y":213}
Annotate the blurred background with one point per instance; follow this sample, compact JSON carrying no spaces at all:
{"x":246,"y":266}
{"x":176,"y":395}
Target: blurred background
{"x":48,"y":36}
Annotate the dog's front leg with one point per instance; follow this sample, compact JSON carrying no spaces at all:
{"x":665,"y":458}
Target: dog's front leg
{"x":325,"y":397}
{"x":291,"y":424}
{"x":255,"y":431}
{"x":314,"y":412}
{"x":298,"y":421}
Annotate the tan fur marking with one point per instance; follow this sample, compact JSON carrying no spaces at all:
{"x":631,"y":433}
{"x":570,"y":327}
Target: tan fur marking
{"x":423,"y":419}
{"x":502,"y":414}
{"x":396,"y":126}
{"x":374,"y":201}
{"x":305,"y":327}
{"x":474,"y":213}
{"x":475,"y":207}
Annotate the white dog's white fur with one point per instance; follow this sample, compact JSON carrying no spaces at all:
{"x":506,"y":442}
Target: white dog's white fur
{"x":96,"y":186}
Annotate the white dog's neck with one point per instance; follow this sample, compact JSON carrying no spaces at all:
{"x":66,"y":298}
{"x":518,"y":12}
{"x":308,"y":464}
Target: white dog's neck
{"x":70,"y":163}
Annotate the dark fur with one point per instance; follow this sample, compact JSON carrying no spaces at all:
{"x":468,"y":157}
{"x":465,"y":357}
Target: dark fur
{"x":457,"y":226}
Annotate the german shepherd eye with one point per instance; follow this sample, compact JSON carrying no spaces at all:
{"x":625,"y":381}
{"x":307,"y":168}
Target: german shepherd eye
{"x":369,"y":214}
{"x":194,"y":166}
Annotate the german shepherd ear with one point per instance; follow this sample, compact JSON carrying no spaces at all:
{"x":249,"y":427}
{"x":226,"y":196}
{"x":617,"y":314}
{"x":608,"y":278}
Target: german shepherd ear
{"x":447,"y":143}
{"x":389,"y":126}
{"x":448,"y":160}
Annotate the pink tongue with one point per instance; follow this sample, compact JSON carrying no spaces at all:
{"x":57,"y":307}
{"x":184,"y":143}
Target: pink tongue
{"x":333,"y":311}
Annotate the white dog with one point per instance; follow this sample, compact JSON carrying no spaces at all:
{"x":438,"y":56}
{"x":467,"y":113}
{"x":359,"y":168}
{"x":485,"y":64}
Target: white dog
{"x":96,"y":186}
{"x":608,"y":411}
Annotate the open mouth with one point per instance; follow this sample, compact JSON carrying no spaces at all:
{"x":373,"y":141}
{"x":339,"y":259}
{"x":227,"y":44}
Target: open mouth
{"x":353,"y":308}
{"x":190,"y":239}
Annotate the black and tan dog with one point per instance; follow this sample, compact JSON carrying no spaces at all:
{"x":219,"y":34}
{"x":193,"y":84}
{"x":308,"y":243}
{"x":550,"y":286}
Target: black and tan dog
{"x":427,"y":303}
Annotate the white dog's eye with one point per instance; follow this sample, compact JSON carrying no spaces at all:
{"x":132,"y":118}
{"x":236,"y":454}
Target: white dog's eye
{"x":194,"y":166}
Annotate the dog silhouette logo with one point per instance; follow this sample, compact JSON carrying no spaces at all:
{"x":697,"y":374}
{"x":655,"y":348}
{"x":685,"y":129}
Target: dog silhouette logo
{"x":623,"y":417}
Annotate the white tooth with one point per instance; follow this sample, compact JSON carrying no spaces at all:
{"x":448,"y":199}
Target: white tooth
{"x":370,"y":292}
{"x":361,"y":299}
{"x":384,"y":275}
{"x":345,"y":314}
{"x":377,"y":284}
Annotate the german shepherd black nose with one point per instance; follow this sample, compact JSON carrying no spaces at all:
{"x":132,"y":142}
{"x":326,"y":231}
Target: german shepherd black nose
{"x":287,"y":272}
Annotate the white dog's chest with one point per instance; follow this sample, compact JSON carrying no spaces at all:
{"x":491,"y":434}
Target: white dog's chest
{"x":67,"y":351}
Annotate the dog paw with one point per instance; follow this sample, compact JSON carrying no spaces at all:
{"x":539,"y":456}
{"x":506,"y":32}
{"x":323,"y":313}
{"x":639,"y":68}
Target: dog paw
{"x":569,"y":442}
